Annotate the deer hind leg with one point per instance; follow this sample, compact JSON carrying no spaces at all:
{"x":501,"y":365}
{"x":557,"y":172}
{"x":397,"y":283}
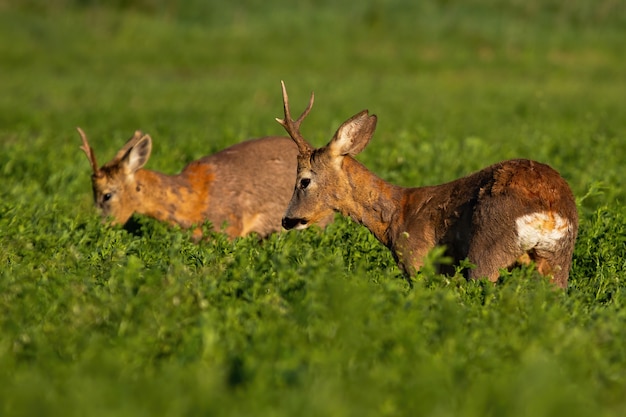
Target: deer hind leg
{"x":492,"y":250}
{"x":553,"y":264}
{"x":549,"y":264}
{"x":489,"y":261}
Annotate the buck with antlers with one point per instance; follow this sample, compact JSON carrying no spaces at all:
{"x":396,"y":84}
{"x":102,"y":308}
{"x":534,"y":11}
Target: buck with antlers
{"x":513,"y":212}
{"x":246,"y":186}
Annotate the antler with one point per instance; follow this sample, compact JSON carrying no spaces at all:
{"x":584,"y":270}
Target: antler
{"x":293,"y":126}
{"x":88,"y":151}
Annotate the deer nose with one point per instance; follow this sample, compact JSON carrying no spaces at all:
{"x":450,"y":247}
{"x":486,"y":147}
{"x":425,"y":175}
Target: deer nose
{"x":290,"y":222}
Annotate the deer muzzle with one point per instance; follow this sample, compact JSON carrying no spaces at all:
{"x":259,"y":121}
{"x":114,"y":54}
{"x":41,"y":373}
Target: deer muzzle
{"x":294,"y":223}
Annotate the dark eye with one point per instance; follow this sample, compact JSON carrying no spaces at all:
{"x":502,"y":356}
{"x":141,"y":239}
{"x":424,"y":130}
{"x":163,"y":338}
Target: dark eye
{"x":304,"y":182}
{"x":106,"y":197}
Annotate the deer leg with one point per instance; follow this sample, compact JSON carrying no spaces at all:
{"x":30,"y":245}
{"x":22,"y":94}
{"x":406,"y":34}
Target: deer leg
{"x":549,"y":264}
{"x":491,"y":254}
{"x":555,"y":265}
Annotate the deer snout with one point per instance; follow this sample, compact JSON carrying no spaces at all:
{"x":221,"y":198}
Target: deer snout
{"x":294,"y":223}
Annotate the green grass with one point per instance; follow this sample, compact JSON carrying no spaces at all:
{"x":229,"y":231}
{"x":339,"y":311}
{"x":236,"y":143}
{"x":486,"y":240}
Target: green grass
{"x":100,"y":321}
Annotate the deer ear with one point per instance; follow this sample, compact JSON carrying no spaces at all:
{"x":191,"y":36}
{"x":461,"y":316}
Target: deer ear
{"x":353,"y":135}
{"x":137,"y":156}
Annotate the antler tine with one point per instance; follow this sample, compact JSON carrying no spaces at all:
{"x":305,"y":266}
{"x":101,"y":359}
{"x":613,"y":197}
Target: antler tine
{"x":88,"y":151}
{"x":293,"y":126}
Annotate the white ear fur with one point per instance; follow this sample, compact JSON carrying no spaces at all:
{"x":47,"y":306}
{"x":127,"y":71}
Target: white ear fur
{"x":138,"y":155}
{"x":353,"y":135}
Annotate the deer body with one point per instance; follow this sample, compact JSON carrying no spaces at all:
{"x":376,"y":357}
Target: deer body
{"x":245,"y":187}
{"x":509,"y":213}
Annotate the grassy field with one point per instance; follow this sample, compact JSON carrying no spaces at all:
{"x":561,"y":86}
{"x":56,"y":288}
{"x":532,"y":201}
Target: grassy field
{"x":102,"y":322}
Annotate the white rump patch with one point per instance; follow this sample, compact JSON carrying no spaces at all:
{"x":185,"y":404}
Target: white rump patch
{"x":541,"y":230}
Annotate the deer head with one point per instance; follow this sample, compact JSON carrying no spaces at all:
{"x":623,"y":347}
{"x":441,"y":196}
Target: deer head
{"x":321,"y":183}
{"x":112,"y":183}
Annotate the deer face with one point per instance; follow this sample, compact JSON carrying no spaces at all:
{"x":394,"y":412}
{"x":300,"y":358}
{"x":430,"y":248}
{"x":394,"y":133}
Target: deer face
{"x":112,"y":193}
{"x":314,"y":194}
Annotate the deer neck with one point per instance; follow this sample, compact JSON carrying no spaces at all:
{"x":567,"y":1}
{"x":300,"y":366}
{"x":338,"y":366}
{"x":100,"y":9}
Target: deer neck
{"x":372,"y":201}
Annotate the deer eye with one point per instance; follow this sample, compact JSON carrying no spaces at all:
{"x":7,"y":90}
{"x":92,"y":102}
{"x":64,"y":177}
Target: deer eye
{"x":304,"y":182}
{"x":106,"y":197}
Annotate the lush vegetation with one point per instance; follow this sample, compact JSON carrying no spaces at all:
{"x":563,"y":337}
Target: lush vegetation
{"x":102,"y":321}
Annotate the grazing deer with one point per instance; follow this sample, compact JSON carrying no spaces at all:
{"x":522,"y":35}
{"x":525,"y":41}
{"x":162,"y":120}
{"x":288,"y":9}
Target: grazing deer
{"x":512,"y":212}
{"x":246,"y":186}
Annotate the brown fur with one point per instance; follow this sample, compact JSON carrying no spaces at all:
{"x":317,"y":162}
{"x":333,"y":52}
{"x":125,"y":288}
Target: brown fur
{"x":488,"y":217}
{"x":244,"y":188}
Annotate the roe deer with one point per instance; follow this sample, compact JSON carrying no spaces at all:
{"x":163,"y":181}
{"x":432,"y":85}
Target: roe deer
{"x":247,"y":186}
{"x":512,"y":212}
